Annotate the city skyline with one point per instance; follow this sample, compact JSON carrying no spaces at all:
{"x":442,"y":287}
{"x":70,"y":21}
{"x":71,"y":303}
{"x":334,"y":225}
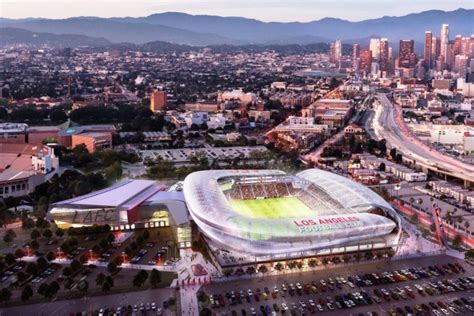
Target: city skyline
{"x":267,"y":11}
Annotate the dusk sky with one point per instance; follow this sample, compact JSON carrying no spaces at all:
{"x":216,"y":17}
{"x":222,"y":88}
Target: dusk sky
{"x":266,"y":10}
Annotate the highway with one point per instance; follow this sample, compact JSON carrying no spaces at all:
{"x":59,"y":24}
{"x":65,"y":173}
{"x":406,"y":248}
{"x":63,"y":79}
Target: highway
{"x":387,"y":123}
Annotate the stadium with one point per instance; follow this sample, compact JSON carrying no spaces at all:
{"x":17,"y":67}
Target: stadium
{"x":257,"y":215}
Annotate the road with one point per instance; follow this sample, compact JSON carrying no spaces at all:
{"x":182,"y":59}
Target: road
{"x":387,"y":123}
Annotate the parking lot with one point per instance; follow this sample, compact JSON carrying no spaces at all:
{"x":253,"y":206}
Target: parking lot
{"x":428,"y":286}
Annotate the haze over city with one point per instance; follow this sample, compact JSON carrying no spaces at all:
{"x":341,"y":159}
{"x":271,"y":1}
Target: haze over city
{"x":265,"y":10}
{"x":225,"y":158}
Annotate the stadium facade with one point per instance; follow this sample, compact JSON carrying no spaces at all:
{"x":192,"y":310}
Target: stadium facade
{"x":312,"y":213}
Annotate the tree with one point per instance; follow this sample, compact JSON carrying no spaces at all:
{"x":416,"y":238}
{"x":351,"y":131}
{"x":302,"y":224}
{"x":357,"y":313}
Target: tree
{"x":47,"y":233}
{"x":43,"y":289}
{"x":106,"y":287}
{"x":469,"y":255}
{"x":382,"y":167}
{"x":67,"y":271}
{"x":111,"y":238}
{"x":227,"y":272}
{"x":34,"y":244}
{"x":263,"y":269}
{"x":111,"y":267}
{"x":31,"y":268}
{"x":26,"y":293}
{"x":5,"y":295}
{"x":202,"y":297}
{"x":205,"y":312}
{"x":83,"y":258}
{"x":325,"y":261}
{"x":49,"y":291}
{"x":42,"y":263}
{"x":140,"y":278}
{"x":35,"y":234}
{"x":457,"y":240}
{"x":50,"y":256}
{"x":19,"y":253}
{"x":99,"y":280}
{"x":279,"y":266}
{"x":57,"y":115}
{"x":9,"y":236}
{"x":393,"y":153}
{"x":155,"y":277}
{"x":59,"y":232}
{"x":10,"y":258}
{"x":75,"y":265}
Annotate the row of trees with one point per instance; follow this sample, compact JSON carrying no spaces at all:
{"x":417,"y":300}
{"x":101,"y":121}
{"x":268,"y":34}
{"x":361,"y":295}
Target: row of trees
{"x":299,"y":264}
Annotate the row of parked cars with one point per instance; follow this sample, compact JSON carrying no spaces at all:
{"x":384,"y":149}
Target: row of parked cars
{"x":12,"y":270}
{"x":45,"y":274}
{"x":330,"y":284}
{"x":459,"y":306}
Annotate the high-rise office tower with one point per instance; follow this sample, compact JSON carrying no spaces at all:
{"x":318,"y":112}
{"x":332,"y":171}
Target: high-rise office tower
{"x":435,"y":49}
{"x":456,"y":48}
{"x":384,"y":55}
{"x":428,"y":51}
{"x":335,"y":55}
{"x":365,"y":61}
{"x":444,"y":40}
{"x":355,"y":55}
{"x":405,"y":54}
{"x":374,"y":47}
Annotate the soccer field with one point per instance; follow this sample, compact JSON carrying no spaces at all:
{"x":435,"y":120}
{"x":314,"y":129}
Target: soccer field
{"x":273,"y":208}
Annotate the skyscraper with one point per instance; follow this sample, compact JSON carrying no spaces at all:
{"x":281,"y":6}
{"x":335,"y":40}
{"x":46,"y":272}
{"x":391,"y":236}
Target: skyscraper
{"x":374,"y":47}
{"x":428,"y":49}
{"x":406,"y":52}
{"x":444,"y":40}
{"x":365,"y":61}
{"x":435,"y":49}
{"x":355,"y":55}
{"x":384,"y":55}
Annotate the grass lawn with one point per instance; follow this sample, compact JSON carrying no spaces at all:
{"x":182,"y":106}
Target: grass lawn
{"x":273,"y":208}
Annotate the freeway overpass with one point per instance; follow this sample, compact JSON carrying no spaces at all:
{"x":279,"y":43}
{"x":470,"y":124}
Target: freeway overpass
{"x":387,"y":123}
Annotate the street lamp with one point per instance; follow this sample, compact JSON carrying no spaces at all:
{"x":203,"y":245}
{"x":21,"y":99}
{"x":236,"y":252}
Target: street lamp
{"x":123,"y":257}
{"x":28,"y":250}
{"x":90,"y":254}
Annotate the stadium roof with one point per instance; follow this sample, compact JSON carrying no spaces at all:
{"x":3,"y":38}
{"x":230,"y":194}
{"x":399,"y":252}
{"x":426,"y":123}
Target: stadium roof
{"x":126,"y":194}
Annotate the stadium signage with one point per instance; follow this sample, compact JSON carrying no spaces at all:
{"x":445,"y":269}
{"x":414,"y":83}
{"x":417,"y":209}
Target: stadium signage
{"x":95,"y":216}
{"x":323,"y":224}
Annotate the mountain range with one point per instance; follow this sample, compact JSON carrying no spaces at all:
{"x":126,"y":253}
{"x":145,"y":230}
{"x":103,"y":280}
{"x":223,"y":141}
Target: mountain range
{"x":205,"y":30}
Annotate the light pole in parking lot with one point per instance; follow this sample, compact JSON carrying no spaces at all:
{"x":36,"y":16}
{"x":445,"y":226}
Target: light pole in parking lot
{"x":123,"y":257}
{"x":90,"y":254}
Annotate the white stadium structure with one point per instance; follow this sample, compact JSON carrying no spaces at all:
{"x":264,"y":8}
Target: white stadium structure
{"x":269,"y":214}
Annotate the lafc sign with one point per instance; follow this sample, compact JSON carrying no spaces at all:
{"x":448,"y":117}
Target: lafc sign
{"x":94,"y":216}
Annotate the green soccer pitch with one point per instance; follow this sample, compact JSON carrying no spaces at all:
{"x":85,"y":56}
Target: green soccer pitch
{"x":272,"y":208}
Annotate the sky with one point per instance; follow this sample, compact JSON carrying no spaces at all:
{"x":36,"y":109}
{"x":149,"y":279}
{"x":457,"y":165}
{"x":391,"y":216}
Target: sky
{"x":265,"y":10}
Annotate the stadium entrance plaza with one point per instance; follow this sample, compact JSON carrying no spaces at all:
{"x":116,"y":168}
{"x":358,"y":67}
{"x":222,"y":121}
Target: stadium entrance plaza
{"x":344,"y":271}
